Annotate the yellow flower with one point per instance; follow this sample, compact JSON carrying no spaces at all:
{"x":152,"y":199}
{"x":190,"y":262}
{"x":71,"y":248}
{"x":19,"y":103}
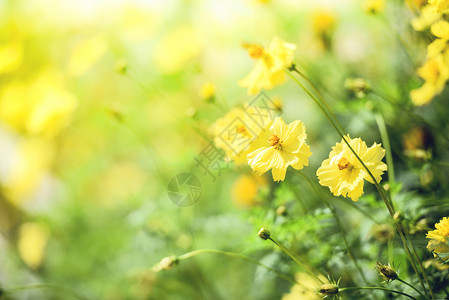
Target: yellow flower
{"x":440,"y":29}
{"x":323,"y":21}
{"x":435,"y":72}
{"x":344,"y":174}
{"x":245,"y":188}
{"x":269,"y":69}
{"x":427,"y":18}
{"x":439,"y":238}
{"x":282,"y":146}
{"x":31,"y":243}
{"x":305,"y":288}
{"x":374,"y":6}
{"x":237,"y":132}
{"x":207,"y":91}
{"x":439,"y":5}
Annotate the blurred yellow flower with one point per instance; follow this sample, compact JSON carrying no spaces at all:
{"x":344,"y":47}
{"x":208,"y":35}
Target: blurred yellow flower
{"x":305,"y":288}
{"x":11,"y":56}
{"x":207,"y":91}
{"x":283,"y":146}
{"x":270,"y":66}
{"x":426,"y":19}
{"x":323,"y":21}
{"x":435,"y":72}
{"x":440,"y":29}
{"x":439,"y":238}
{"x":31,"y":243}
{"x":236,"y":133}
{"x":85,"y":54}
{"x":177,"y":49}
{"x":439,"y":5}
{"x":245,"y":188}
{"x":374,"y":6}
{"x":40,"y":107}
{"x":420,"y":3}
{"x":34,"y":157}
{"x":344,"y":174}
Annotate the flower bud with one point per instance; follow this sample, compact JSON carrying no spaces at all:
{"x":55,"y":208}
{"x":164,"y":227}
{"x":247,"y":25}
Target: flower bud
{"x":398,"y":216}
{"x":264,"y":233}
{"x":357,"y":86}
{"x":121,"y":66}
{"x":386,"y":272}
{"x":281,"y":210}
{"x":166,"y":263}
{"x":328,"y":289}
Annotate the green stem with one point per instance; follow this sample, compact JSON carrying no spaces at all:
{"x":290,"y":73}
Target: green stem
{"x":315,"y":89}
{"x":389,"y":157}
{"x":296,"y":260}
{"x":426,"y":279}
{"x":235,"y":255}
{"x":390,"y":209}
{"x":406,"y":283}
{"x":340,"y":227}
{"x":410,"y":113}
{"x":376,"y":288}
{"x":42,"y":286}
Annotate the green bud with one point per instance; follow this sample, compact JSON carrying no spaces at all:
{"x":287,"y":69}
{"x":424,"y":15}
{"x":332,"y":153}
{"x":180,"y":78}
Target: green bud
{"x":264,"y":233}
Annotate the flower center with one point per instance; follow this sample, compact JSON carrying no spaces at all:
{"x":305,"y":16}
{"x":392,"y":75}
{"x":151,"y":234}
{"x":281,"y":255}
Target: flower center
{"x":275,"y":142}
{"x":241,"y":128}
{"x":343,"y":163}
{"x":255,"y":51}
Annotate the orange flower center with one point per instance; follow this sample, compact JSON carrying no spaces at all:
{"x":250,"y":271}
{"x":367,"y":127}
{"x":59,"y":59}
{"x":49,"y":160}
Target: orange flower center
{"x":343,"y":163}
{"x":275,"y":142}
{"x":255,"y":51}
{"x":241,"y":128}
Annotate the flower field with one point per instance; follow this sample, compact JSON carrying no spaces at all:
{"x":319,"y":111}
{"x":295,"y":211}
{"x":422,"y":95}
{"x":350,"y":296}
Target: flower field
{"x":241,"y":149}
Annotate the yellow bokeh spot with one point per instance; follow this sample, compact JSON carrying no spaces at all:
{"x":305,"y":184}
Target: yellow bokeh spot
{"x":33,"y":238}
{"x":11,"y":56}
{"x":85,"y":54}
{"x":34,"y":158}
{"x":244,"y":189}
{"x":177,"y":49}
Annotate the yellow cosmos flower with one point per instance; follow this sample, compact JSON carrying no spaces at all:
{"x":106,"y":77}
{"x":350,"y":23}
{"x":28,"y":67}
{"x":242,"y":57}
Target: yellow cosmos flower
{"x":305,"y":288}
{"x":269,"y":69}
{"x":435,"y":72}
{"x":374,"y":6}
{"x":282,"y":146}
{"x":439,"y":5}
{"x":344,"y":174}
{"x":237,"y":132}
{"x":426,"y":19}
{"x":439,"y":238}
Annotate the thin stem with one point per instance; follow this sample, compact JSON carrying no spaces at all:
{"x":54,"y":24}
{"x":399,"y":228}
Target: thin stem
{"x":410,"y":113}
{"x":376,"y":288}
{"x":398,"y":225}
{"x":42,"y":286}
{"x":386,"y":142}
{"x":426,"y":279}
{"x":406,"y":283}
{"x":315,"y":89}
{"x":235,"y":255}
{"x":296,"y":260}
{"x":340,"y":227}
